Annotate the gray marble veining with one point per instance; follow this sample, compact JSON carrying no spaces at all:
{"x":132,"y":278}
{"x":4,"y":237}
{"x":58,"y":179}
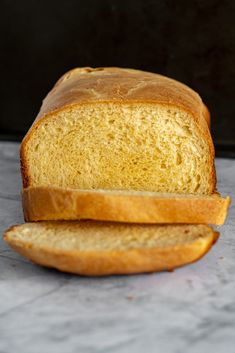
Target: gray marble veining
{"x":189,"y":310}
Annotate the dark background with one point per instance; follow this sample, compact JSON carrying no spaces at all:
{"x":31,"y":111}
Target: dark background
{"x":191,"y":41}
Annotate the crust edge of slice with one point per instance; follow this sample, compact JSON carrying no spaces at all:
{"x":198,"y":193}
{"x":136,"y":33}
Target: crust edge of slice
{"x":55,"y":203}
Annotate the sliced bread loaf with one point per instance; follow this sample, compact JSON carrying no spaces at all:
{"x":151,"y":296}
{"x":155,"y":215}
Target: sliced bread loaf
{"x":54,"y":203}
{"x":103,"y":248}
{"x":120,"y":129}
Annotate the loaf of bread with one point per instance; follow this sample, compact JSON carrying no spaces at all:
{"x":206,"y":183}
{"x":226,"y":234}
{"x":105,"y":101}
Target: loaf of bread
{"x":119,"y":145}
{"x":103,"y":248}
{"x":54,"y":203}
{"x":120,"y":129}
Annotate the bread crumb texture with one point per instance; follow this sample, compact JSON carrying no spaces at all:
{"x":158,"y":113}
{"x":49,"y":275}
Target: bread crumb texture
{"x":103,"y":236}
{"x":121,"y":147}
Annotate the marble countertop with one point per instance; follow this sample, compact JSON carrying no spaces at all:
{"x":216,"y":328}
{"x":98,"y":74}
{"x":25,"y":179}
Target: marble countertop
{"x":189,"y":310}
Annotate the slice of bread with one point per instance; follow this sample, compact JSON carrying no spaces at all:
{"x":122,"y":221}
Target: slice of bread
{"x":103,"y":248}
{"x":54,"y":203}
{"x":123,"y":129}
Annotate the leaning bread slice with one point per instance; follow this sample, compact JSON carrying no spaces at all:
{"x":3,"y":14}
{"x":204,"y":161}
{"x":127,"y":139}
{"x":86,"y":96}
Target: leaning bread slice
{"x":102,"y":248}
{"x":54,"y":203}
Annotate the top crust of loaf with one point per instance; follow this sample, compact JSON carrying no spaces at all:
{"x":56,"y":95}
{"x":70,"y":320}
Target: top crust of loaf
{"x":111,"y":84}
{"x":120,"y":86}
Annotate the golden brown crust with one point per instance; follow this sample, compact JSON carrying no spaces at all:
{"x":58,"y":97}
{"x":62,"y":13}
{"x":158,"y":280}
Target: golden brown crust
{"x":100,"y":263}
{"x":54,"y":203}
{"x":207,"y":115}
{"x":122,"y":86}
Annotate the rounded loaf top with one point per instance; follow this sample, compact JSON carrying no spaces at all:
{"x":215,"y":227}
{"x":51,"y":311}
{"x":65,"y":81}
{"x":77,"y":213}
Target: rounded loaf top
{"x":112,"y":84}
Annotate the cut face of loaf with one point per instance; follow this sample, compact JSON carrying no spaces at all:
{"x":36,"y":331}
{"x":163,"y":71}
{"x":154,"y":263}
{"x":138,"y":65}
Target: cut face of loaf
{"x":97,"y":248}
{"x":120,"y":129}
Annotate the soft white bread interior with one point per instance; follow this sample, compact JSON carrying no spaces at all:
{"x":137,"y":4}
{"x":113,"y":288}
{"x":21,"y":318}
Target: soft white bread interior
{"x":120,"y":129}
{"x":103,"y":248}
{"x":54,"y":203}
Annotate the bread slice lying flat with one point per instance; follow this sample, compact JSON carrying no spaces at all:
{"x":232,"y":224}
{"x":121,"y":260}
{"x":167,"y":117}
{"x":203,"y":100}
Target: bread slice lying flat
{"x":53,"y":203}
{"x":120,"y":129}
{"x":103,"y":248}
